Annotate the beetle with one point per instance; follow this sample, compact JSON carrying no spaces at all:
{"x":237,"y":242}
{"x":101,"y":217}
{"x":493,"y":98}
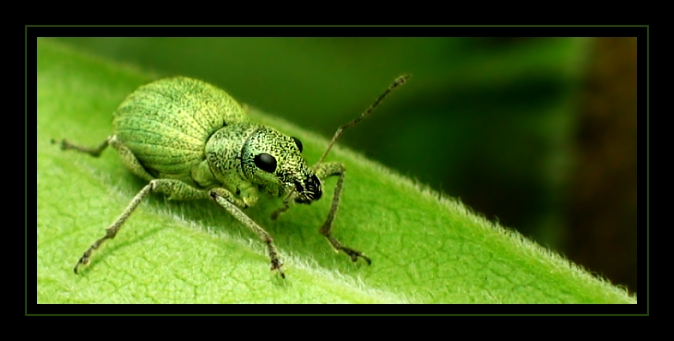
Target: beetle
{"x":191,"y":140}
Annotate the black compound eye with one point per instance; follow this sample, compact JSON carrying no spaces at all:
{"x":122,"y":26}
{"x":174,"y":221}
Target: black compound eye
{"x":265,"y":162}
{"x":298,"y":143}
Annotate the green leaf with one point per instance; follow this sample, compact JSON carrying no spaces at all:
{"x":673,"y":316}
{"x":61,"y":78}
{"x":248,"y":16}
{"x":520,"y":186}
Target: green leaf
{"x":425,"y":248}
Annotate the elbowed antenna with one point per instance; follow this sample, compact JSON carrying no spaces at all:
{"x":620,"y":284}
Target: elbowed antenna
{"x":398,"y":82}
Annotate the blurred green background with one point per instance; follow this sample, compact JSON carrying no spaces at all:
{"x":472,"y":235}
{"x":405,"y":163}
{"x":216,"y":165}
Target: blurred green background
{"x":536,"y":133}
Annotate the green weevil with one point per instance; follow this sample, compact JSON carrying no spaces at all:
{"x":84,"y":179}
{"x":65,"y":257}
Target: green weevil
{"x":191,"y":140}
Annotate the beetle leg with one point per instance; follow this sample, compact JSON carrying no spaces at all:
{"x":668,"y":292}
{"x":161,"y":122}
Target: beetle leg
{"x":336,"y":169}
{"x":129,"y":159}
{"x":286,"y":206}
{"x":111,"y":231}
{"x":95,"y":151}
{"x":174,"y":189}
{"x":222,"y":200}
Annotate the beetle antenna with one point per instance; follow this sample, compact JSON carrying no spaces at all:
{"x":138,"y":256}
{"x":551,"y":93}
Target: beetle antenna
{"x":398,"y":82}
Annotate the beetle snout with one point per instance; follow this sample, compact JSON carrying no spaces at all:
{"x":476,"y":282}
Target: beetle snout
{"x":311,"y":191}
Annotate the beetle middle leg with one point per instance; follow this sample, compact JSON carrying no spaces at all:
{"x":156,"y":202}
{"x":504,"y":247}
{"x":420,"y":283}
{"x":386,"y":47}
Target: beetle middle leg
{"x":111,"y":231}
{"x":336,"y":169}
{"x":220,"y":196}
{"x":174,"y":188}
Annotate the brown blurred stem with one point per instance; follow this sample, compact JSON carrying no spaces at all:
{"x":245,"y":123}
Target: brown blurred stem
{"x":602,"y":211}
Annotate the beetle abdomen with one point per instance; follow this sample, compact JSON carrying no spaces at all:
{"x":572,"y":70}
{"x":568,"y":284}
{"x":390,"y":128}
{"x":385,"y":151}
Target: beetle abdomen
{"x":177,"y":116}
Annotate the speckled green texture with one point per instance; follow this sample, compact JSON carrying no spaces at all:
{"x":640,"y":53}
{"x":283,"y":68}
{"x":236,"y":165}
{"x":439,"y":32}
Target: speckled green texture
{"x":166,"y":123}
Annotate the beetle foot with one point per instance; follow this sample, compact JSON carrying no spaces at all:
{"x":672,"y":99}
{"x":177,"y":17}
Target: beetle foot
{"x":276,"y":265}
{"x":355,"y":254}
{"x":62,"y":143}
{"x":278,"y":212}
{"x":83,"y":261}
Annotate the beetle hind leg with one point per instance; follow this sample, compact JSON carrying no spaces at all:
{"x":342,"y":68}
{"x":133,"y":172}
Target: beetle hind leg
{"x":93,"y":151}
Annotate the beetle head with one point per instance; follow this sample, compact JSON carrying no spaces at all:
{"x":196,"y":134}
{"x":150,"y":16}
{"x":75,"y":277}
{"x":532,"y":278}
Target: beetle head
{"x":274,"y":159}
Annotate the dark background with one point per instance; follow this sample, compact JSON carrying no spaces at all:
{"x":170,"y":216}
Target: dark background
{"x":536,"y":133}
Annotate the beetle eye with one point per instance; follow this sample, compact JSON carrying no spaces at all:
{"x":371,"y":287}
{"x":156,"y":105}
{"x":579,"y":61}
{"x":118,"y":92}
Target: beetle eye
{"x":298,"y":143}
{"x":265,"y":162}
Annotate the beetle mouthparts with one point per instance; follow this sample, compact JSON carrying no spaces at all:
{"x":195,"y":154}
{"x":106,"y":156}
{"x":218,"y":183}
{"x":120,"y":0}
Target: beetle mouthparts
{"x":310,"y":192}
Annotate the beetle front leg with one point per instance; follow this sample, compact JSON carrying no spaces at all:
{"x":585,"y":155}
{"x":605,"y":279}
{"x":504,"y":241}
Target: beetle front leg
{"x":323,"y":171}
